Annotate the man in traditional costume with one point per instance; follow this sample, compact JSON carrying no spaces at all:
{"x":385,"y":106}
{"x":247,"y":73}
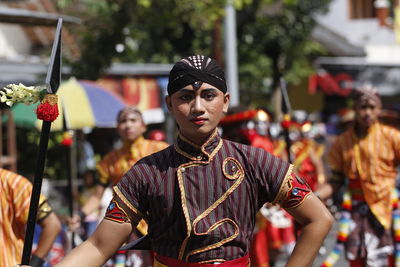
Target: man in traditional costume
{"x":307,"y":156}
{"x":365,"y":158}
{"x":15,"y":196}
{"x":201,"y":195}
{"x":130,"y":127}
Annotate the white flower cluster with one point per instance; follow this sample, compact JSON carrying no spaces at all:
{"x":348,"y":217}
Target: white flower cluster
{"x":19,"y":93}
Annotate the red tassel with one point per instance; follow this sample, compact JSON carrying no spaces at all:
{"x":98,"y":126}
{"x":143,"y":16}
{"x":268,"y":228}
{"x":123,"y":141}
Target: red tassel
{"x":286,"y":122}
{"x":48,"y":108}
{"x":67,"y":139}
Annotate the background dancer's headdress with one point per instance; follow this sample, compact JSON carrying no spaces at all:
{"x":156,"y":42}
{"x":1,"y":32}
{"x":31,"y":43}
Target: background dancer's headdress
{"x":195,"y":70}
{"x":366,"y":91}
{"x":129,"y":109}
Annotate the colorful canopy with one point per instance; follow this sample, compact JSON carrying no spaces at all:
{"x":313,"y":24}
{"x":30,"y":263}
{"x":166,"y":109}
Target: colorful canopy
{"x":81,"y":104}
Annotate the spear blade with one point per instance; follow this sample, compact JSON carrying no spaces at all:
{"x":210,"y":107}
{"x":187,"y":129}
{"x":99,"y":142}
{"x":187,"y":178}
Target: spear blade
{"x":53,"y":77}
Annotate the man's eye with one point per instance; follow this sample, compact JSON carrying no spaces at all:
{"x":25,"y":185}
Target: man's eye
{"x":185,"y":97}
{"x":209,"y":96}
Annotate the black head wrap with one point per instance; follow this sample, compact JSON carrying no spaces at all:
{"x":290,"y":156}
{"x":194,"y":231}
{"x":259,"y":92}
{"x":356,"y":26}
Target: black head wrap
{"x":193,"y":69}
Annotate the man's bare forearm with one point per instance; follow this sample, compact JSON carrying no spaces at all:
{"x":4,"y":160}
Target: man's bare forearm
{"x":316,"y":222}
{"x":51,"y":227}
{"x":86,"y":254}
{"x":308,"y":243}
{"x":105,"y":241}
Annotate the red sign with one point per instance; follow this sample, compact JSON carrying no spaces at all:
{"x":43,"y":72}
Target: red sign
{"x":340,"y":84}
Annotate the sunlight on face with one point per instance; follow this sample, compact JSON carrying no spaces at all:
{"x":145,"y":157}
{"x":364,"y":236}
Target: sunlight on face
{"x":198,"y":111}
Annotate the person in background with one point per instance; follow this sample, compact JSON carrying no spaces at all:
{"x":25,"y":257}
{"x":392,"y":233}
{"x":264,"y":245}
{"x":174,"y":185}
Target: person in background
{"x":111,"y":168}
{"x":364,"y":159}
{"x":87,"y":173}
{"x":201,"y":195}
{"x":90,"y":222}
{"x":306,"y":152}
{"x":15,"y":198}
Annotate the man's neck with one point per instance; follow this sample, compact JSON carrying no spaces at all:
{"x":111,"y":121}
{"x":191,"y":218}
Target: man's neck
{"x":200,"y":140}
{"x":361,"y":130}
{"x":131,"y":142}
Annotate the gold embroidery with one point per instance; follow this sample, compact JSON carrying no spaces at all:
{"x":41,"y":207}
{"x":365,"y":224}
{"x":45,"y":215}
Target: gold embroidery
{"x":208,"y":141}
{"x":215,"y":151}
{"x":235,"y":167}
{"x":202,"y":148}
{"x":218,"y":244}
{"x":285,"y":186}
{"x":127,"y":203}
{"x":214,"y":226}
{"x":188,"y":141}
{"x":239,"y":176}
{"x":184,"y":208}
{"x":190,"y":225}
{"x":183,"y":153}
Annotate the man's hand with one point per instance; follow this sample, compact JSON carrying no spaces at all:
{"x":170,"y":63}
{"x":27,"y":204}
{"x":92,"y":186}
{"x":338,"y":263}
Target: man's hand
{"x":36,"y":261}
{"x":74,"y":222}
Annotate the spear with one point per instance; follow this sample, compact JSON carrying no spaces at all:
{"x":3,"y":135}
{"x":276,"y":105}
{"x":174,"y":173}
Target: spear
{"x":53,"y":79}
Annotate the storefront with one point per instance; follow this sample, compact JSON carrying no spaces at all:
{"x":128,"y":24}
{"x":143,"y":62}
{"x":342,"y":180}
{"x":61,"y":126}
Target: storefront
{"x":336,"y":77}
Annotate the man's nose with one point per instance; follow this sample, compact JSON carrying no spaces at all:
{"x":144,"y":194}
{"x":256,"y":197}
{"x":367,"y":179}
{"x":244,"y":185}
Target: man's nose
{"x":368,"y":111}
{"x":198,"y":105}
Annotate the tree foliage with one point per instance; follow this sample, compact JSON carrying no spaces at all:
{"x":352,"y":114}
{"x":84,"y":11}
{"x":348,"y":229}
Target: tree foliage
{"x":275,"y":41}
{"x":273,"y":36}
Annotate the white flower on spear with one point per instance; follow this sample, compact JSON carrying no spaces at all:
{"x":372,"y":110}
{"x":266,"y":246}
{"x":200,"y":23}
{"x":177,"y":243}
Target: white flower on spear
{"x":19,"y":93}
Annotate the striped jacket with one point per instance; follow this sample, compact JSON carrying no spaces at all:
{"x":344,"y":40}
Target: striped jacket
{"x":201,"y":202}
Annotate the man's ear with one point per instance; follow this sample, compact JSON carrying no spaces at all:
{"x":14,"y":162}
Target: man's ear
{"x":168,"y":102}
{"x":227,"y":98}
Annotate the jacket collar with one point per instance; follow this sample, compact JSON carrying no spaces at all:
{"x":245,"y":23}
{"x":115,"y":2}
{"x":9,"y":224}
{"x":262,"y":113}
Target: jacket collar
{"x":195,"y":152}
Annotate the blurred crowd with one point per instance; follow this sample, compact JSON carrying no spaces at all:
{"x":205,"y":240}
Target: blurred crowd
{"x":300,"y":137}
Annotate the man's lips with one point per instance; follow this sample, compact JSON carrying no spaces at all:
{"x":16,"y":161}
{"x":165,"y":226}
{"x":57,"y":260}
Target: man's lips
{"x":198,"y":121}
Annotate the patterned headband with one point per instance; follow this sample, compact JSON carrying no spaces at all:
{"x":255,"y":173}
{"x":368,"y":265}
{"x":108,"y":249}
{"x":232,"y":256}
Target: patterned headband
{"x":193,"y":69}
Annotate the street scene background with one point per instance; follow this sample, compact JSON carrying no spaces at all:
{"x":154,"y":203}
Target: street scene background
{"x":295,"y":62}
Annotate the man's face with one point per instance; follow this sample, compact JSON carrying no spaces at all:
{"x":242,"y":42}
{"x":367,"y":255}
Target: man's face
{"x":366,"y":112}
{"x":198,"y":111}
{"x":130,"y":126}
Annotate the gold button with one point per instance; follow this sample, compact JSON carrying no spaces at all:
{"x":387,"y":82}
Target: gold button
{"x":183,"y":169}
